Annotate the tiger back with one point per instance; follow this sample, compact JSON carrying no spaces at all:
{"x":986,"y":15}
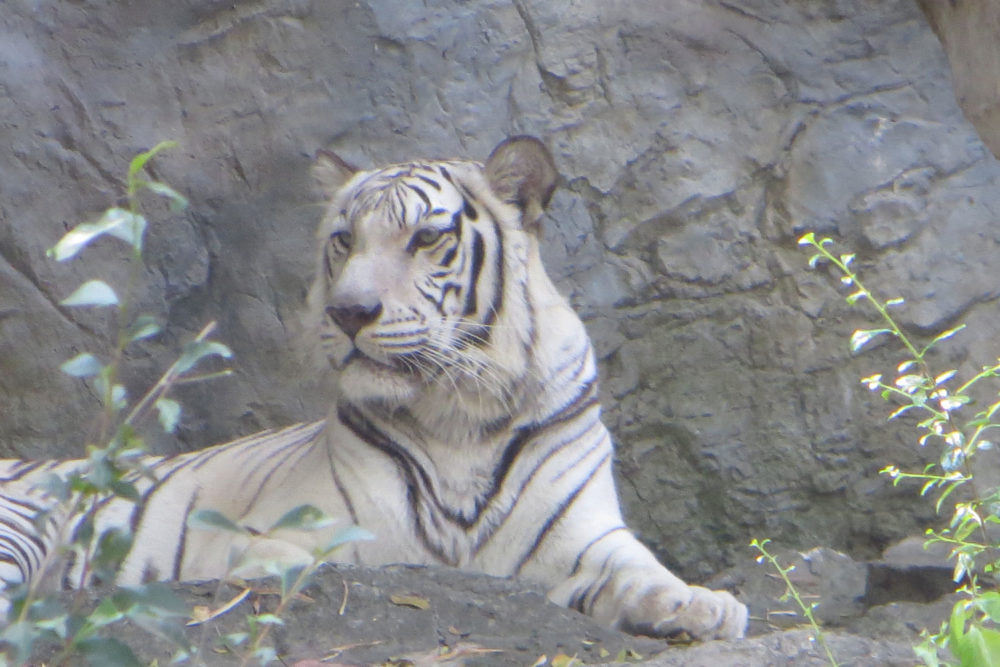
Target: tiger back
{"x":466,"y":428}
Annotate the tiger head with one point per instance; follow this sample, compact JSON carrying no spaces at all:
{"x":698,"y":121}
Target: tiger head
{"x":426,"y":277}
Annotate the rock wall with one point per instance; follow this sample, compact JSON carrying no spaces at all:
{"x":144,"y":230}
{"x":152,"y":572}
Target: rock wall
{"x":968,"y":31}
{"x":697,"y":141}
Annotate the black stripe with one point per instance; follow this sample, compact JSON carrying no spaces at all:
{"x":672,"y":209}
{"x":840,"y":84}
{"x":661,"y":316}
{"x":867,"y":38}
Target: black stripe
{"x":449,"y":256}
{"x":554,"y":450}
{"x":560,"y":513}
{"x":71,"y":557}
{"x":139,"y":511}
{"x":570,"y":410}
{"x":587,"y":607}
{"x":12,"y":504}
{"x":583,"y":552}
{"x":578,"y":600}
{"x":470,"y":210}
{"x":28,"y":561}
{"x":423,"y":195}
{"x":18,"y":532}
{"x":497,"y":304}
{"x":478,"y":253}
{"x":413,"y":472}
{"x":280,"y":465}
{"x":182,"y":540}
{"x":23,"y":468}
{"x":429,"y":181}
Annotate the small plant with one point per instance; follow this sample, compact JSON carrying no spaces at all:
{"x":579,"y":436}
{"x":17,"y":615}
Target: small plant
{"x":112,"y":469}
{"x":792,"y":592}
{"x":251,"y":646}
{"x":972,"y":632}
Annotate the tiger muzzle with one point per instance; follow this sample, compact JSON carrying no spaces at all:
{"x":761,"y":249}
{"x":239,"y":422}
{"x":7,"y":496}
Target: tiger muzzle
{"x":352,"y":318}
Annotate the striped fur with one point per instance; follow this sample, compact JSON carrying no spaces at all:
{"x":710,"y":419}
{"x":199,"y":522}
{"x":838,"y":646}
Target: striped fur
{"x":467,"y":427}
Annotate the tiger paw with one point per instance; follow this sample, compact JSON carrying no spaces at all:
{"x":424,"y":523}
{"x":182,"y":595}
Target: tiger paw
{"x":699,"y":612}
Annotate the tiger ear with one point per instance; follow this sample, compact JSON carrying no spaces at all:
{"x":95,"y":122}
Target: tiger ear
{"x":330,"y":172}
{"x":521,"y":171}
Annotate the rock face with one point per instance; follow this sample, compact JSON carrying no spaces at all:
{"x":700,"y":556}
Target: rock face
{"x":697,"y":141}
{"x":968,"y":31}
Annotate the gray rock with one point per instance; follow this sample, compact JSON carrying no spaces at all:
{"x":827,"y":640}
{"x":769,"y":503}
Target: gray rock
{"x":697,"y":142}
{"x":968,"y":32}
{"x":432,"y":616}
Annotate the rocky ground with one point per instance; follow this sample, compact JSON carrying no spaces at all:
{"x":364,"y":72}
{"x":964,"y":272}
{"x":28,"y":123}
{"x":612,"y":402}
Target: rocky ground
{"x":407,"y":615}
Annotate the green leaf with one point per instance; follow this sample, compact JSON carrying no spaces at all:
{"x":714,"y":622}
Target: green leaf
{"x":125,"y":225}
{"x":92,"y":293}
{"x":214,"y":520}
{"x":269,"y":619}
{"x":809,"y":238}
{"x":853,"y":298}
{"x":265,"y":655}
{"x":143,"y":327}
{"x":178,"y":202}
{"x":947,"y":334}
{"x":112,"y":548}
{"x":978,"y":646}
{"x":119,"y":397}
{"x":108,"y":652}
{"x":140,"y":160}
{"x":304,"y":517}
{"x":106,"y":613}
{"x":126,"y":490}
{"x":198,"y":350}
{"x":20,"y":637}
{"x":898,"y":301}
{"x":117,"y":222}
{"x":862,"y":337}
{"x":910,"y":383}
{"x":900,"y":410}
{"x":289,"y":577}
{"x":169,"y":412}
{"x":82,"y":365}
{"x":988,"y":602}
{"x":345,"y":535}
{"x":159,"y":596}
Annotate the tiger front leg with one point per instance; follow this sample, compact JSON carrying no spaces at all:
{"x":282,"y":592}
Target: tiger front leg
{"x":620,"y":583}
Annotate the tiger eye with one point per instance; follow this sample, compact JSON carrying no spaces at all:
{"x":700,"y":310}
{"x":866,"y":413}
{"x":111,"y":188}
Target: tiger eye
{"x":343,"y":240}
{"x":426,"y":236}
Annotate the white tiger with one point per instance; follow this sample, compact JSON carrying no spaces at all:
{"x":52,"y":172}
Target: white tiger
{"x":467,"y":428}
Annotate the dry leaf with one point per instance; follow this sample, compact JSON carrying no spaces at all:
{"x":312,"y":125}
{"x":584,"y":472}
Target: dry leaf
{"x":201,"y":614}
{"x":415,"y":601}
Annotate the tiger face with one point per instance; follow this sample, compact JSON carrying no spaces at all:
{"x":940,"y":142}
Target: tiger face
{"x":421,"y":281}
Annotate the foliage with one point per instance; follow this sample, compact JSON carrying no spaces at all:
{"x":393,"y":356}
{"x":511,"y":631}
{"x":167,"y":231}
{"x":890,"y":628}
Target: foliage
{"x":112,"y":469}
{"x":292,"y":577}
{"x":792,"y":592}
{"x":972,"y":633}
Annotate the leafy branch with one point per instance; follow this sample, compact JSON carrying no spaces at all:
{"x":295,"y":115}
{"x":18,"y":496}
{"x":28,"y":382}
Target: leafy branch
{"x":792,"y":592}
{"x":971,"y":633}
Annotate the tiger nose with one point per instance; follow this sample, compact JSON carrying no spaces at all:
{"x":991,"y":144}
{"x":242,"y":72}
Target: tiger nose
{"x":352,"y":318}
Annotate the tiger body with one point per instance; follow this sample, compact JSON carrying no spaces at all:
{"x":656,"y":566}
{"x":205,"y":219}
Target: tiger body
{"x":466,"y":430}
